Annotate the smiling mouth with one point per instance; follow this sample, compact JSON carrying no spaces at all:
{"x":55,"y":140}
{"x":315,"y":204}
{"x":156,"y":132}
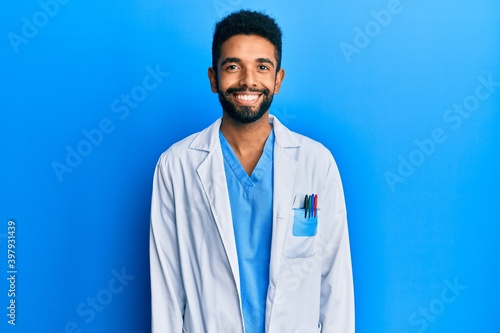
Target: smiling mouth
{"x":246,"y":98}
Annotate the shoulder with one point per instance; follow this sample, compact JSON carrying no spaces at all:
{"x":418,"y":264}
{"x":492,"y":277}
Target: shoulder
{"x":306,"y":147}
{"x":310,"y":155}
{"x":311,"y":144}
{"x":179,"y":148}
{"x":315,"y":152}
{"x":194,"y":146}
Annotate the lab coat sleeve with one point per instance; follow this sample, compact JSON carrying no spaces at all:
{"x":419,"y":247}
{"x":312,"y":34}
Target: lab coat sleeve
{"x":337,"y":294}
{"x":167,"y":291}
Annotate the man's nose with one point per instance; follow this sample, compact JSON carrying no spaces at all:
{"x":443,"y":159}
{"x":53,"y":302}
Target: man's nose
{"x":248,"y":79}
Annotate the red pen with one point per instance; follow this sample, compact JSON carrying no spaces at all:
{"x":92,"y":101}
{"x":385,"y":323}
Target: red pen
{"x":315,"y":204}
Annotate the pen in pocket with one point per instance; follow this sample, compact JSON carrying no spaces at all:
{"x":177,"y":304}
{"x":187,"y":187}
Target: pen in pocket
{"x":310,"y":205}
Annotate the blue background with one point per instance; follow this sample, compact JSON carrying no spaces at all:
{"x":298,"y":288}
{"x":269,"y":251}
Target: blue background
{"x":372,"y":80}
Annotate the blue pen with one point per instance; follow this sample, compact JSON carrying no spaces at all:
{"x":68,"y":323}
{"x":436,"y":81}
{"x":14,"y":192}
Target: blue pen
{"x":311,"y":204}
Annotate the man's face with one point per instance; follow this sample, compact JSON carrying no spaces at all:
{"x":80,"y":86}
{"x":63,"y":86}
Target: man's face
{"x":246,"y":78}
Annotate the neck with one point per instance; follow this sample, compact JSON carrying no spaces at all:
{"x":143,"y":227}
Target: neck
{"x":245,"y":138}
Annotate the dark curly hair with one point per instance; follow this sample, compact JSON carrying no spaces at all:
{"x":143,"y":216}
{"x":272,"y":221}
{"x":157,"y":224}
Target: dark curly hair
{"x":246,"y":22}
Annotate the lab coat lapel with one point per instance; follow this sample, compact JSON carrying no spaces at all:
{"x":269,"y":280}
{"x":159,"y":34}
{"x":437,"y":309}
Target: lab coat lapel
{"x":285,"y":170}
{"x":213,"y":179}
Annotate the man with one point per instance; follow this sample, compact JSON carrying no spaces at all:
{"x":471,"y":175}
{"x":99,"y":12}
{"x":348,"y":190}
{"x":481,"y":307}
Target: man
{"x":248,"y":222}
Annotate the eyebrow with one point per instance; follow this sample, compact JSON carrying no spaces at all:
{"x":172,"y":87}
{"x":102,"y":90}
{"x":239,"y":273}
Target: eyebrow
{"x":265,"y":60}
{"x":230,"y":60}
{"x":238,"y":60}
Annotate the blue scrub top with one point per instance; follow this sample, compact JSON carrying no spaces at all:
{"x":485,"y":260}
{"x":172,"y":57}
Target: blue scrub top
{"x":251,"y":199}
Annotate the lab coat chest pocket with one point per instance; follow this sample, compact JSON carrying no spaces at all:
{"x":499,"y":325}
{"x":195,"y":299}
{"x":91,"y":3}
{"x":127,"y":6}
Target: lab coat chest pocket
{"x":300,"y":235}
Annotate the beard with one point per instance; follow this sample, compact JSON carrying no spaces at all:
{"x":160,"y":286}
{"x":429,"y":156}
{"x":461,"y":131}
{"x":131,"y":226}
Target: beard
{"x":244,"y":114}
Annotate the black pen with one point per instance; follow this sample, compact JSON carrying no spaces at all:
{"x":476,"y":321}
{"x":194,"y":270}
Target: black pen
{"x":306,"y":202}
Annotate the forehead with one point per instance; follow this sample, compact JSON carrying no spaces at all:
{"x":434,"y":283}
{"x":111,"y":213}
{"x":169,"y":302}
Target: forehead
{"x":248,"y":47}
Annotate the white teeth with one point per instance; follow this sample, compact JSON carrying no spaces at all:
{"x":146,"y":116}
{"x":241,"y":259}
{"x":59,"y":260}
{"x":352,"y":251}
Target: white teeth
{"x":247,"y":97}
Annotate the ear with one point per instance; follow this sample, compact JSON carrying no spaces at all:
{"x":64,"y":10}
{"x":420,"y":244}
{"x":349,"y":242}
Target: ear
{"x":279,"y":78}
{"x":212,"y":76}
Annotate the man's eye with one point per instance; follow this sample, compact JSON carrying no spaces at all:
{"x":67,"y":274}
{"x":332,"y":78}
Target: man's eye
{"x":231,"y":67}
{"x":263,"y":67}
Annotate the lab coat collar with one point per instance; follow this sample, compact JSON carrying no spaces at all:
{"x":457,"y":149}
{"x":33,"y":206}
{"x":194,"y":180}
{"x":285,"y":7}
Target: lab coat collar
{"x":283,"y":136}
{"x":208,"y":139}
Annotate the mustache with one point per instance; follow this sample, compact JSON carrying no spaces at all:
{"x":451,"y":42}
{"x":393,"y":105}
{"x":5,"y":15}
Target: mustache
{"x":230,"y":91}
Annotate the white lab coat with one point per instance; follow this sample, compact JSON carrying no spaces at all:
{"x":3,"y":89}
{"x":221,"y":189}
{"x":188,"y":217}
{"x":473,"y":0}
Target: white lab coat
{"x":194,"y":264}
